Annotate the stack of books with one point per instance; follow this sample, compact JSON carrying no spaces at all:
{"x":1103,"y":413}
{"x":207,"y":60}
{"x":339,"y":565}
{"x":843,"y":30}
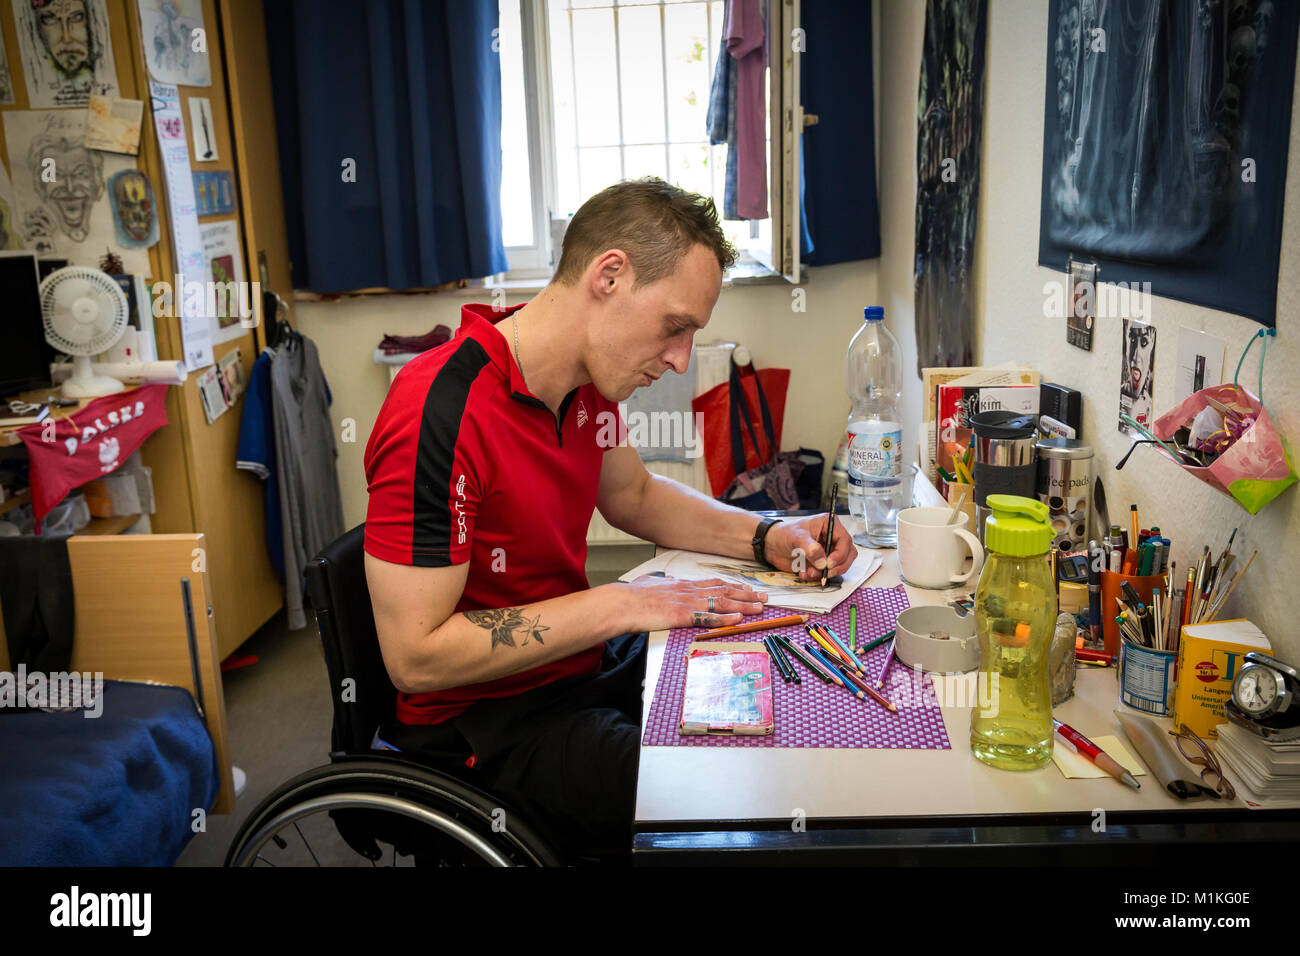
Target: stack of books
{"x":1267,"y":774}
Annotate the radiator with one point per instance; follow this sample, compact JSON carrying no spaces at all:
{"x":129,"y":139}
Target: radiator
{"x":712,"y":367}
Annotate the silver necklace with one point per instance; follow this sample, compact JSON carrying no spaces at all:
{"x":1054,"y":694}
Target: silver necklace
{"x":515,"y":325}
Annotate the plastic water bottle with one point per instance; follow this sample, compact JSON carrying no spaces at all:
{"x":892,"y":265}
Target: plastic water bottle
{"x":875,"y":431}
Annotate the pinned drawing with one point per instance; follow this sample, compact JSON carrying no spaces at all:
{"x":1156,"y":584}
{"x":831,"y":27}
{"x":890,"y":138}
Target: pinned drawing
{"x":135,"y":213}
{"x":6,"y":81}
{"x":60,"y":188}
{"x":65,"y":50}
{"x":175,"y":42}
{"x":9,"y":236}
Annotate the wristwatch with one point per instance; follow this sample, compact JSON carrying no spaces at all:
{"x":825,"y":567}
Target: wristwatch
{"x":760,"y":539}
{"x":1264,"y":698}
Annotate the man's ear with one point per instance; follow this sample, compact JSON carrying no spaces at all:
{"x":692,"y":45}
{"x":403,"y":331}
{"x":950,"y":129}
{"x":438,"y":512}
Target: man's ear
{"x":610,"y":269}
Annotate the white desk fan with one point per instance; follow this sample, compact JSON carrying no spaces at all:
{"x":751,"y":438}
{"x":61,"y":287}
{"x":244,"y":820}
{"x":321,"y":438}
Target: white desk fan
{"x":85,"y":313}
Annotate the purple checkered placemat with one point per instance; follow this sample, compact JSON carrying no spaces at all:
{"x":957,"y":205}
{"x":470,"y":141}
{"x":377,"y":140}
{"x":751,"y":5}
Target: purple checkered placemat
{"x":814,"y":714}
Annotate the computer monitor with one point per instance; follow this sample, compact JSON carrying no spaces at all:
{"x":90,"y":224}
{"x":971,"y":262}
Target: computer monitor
{"x":23,"y":362}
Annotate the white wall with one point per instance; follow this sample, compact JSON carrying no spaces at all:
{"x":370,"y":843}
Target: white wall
{"x":1011,"y":323}
{"x":811,"y":344}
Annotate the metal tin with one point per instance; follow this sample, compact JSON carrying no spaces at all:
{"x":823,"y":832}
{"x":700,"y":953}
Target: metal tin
{"x":1065,"y":486}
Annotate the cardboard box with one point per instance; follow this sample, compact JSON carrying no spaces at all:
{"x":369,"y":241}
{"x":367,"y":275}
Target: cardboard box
{"x":1209,"y":656}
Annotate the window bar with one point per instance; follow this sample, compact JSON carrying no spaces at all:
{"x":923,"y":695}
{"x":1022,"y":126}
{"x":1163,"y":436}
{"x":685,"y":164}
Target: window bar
{"x":618,"y":89}
{"x":573,"y":80}
{"x":663,"y":60}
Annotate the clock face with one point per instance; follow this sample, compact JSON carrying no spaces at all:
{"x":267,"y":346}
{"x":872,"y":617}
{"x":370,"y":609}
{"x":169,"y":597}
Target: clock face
{"x":1256,"y":690}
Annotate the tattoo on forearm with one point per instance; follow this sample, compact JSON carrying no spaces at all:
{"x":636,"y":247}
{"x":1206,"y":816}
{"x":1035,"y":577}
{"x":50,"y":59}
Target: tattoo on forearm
{"x":505,"y":622}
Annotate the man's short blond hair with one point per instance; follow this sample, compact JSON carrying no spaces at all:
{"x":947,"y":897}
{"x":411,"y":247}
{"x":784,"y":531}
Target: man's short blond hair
{"x":654,"y":222}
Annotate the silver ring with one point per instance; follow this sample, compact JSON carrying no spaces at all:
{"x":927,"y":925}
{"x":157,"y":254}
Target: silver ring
{"x":711,"y":607}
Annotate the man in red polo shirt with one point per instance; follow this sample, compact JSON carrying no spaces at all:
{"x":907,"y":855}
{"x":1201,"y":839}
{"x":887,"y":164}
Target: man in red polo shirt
{"x":484,"y":467}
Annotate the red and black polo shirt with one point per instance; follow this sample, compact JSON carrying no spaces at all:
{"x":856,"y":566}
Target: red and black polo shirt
{"x":466,"y":464}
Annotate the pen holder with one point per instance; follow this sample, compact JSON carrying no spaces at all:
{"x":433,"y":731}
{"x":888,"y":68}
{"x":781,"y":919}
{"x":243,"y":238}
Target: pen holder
{"x":1146,"y":679}
{"x":1110,"y":593}
{"x":953,"y":491}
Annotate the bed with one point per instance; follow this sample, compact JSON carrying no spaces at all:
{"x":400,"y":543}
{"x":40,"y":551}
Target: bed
{"x":125,"y":788}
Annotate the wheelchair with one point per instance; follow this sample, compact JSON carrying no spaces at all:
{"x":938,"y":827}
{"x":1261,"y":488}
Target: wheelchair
{"x":428,"y":810}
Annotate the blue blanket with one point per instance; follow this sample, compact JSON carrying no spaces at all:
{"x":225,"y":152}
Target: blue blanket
{"x":116,"y":790}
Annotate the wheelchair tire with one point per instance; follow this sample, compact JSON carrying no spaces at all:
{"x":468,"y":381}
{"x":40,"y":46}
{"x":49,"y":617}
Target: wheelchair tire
{"x":452,"y":813}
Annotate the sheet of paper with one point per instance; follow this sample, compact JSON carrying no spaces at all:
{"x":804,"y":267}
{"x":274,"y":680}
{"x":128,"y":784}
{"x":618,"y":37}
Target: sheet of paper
{"x":10,"y":237}
{"x":203,"y":130}
{"x":225,"y":270}
{"x":1200,"y":362}
{"x":65,"y":50}
{"x":114,"y":125}
{"x":1137,"y":374}
{"x":781,"y":587}
{"x":61,"y":189}
{"x":175,"y":41}
{"x":1072,"y":765}
{"x":6,"y":79}
{"x":187,"y":243}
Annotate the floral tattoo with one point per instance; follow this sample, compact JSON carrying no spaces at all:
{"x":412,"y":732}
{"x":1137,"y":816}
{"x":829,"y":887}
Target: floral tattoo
{"x":504,"y":622}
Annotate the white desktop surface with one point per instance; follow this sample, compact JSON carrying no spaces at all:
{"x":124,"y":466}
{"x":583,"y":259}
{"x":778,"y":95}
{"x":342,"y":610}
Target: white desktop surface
{"x":706,"y":783}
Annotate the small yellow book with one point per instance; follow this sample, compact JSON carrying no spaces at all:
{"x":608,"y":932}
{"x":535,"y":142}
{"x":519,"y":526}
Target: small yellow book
{"x":1209,"y":656}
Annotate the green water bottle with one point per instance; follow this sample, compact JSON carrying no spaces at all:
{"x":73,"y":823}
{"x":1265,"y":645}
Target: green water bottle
{"x":1015,"y":613}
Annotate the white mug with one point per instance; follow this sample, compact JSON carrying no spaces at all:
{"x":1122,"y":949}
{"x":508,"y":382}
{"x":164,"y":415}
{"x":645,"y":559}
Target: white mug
{"x":931,"y":552}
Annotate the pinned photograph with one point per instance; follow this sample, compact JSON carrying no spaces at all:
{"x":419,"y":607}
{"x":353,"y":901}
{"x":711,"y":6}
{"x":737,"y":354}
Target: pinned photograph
{"x":1136,"y":377}
{"x":203,"y":130}
{"x":114,"y":125}
{"x":135,"y":213}
{"x":175,"y":42}
{"x":61,"y":188}
{"x":66,"y":52}
{"x":225,"y":270}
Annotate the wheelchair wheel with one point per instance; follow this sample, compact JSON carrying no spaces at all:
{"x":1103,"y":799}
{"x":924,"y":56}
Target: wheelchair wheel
{"x":427,"y":816}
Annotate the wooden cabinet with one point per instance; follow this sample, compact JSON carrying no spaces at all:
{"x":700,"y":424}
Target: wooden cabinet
{"x":198,"y":489}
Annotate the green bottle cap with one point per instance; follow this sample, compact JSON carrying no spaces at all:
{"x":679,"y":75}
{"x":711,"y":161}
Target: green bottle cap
{"x":1018,"y":526}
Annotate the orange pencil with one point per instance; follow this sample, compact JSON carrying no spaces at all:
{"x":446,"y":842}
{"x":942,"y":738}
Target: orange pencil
{"x":754,"y":626}
{"x":829,"y":646}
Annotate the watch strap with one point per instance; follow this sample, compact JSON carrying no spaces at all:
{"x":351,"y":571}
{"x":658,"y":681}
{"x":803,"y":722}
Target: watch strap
{"x":760,"y":541}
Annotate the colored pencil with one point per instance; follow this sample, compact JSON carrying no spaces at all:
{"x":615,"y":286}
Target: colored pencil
{"x":877,"y":642}
{"x":853,"y":627}
{"x":754,"y":626}
{"x":842,"y":646}
{"x":802,"y":657}
{"x":880,"y":698}
{"x":889,"y":659}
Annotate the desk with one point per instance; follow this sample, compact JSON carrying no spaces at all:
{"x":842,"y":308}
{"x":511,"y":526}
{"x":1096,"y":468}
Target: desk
{"x":736,"y":804}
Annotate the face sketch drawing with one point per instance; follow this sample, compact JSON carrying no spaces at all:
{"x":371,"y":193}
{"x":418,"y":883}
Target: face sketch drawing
{"x":1137,"y":359}
{"x":78,"y":182}
{"x":66,"y":37}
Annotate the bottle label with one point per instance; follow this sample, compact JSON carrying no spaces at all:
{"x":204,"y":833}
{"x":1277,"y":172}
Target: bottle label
{"x":876,"y":455}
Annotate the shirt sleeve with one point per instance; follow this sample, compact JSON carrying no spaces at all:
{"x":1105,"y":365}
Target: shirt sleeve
{"x":425,"y":471}
{"x":743,"y":28}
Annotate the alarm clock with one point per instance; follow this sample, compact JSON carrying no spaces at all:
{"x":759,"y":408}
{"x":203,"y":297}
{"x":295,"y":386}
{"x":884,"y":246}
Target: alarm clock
{"x":1264,"y":698}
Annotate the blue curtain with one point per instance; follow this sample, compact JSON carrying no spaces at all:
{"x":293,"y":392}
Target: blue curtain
{"x":841,"y":208}
{"x":409,"y":93}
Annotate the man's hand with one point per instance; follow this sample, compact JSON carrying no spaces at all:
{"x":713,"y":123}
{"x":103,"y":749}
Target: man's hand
{"x":657,"y":603}
{"x":796,"y":545}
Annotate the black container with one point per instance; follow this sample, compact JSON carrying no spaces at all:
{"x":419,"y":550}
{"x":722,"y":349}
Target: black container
{"x":1005,"y":463}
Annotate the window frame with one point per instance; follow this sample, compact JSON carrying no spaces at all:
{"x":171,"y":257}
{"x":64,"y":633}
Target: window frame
{"x":535,"y":264}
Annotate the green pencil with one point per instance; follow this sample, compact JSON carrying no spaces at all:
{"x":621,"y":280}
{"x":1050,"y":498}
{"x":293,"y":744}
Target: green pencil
{"x":853,"y":628}
{"x":877,"y":642}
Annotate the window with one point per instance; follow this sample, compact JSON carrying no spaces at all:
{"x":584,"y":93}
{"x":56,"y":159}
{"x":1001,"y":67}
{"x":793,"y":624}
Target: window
{"x":594,"y":91}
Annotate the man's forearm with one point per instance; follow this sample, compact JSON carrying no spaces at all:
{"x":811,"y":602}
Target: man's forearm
{"x":675,"y":516}
{"x":476,"y":646}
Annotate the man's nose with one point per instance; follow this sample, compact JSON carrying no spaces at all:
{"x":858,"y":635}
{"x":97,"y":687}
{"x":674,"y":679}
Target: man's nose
{"x":679,"y":358}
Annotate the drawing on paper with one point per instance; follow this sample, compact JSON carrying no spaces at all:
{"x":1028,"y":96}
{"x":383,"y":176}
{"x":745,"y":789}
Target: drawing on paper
{"x":65,"y":50}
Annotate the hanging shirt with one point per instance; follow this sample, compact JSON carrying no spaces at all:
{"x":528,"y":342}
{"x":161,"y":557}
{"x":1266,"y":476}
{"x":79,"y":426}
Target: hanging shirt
{"x":256,"y":451}
{"x":311,"y":513}
{"x":466,"y":464}
{"x":746,"y":35}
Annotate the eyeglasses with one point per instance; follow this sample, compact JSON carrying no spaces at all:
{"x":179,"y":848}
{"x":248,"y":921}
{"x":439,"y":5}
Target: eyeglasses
{"x":1202,"y":757}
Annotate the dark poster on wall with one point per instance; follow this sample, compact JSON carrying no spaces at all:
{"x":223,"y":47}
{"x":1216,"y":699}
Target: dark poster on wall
{"x":1165,"y":141}
{"x":950,"y":115}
